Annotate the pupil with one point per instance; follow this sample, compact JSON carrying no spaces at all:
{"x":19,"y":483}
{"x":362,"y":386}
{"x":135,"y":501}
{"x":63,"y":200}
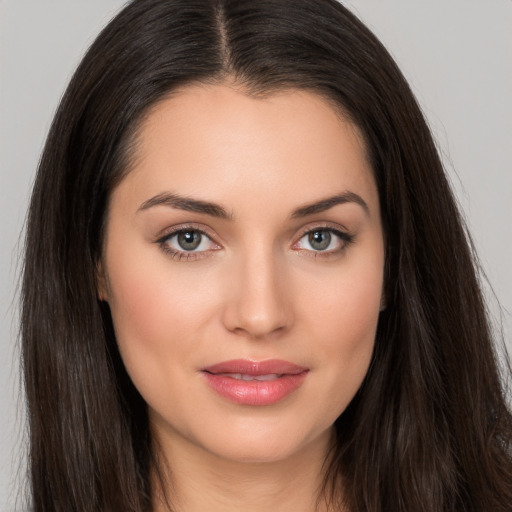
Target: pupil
{"x":189,"y":240}
{"x":320,"y":240}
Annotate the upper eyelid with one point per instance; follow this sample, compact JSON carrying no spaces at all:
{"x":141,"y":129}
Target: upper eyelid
{"x":327,"y":226}
{"x":168,"y":232}
{"x":344,"y":236}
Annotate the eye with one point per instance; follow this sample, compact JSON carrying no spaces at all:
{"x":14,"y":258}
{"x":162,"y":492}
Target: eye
{"x":187,"y":243}
{"x":327,"y":240}
{"x":187,"y":240}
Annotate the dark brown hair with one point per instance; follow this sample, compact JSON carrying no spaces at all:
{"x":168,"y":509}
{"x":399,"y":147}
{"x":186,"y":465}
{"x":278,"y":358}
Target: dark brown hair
{"x":429,"y":429}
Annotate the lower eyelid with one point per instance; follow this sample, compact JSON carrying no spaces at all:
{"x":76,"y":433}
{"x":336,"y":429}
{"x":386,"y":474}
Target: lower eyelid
{"x":182,"y":255}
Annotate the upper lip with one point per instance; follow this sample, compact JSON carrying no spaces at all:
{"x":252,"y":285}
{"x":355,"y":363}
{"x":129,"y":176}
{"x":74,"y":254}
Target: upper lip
{"x":255,"y":368}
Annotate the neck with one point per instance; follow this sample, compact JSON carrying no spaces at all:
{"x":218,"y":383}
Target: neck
{"x":197,"y":480}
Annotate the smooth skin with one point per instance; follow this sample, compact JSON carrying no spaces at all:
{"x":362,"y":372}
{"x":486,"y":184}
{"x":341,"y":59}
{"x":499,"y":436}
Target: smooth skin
{"x":255,"y":272}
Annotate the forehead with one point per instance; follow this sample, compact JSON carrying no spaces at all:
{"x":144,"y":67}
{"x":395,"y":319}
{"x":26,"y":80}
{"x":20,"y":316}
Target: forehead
{"x":217,"y":142}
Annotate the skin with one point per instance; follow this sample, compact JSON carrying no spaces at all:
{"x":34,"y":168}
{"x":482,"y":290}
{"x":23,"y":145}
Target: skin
{"x":256,"y":288}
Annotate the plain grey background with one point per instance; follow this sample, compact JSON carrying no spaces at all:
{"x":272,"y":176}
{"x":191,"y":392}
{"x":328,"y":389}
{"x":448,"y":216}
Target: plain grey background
{"x":457,"y":55}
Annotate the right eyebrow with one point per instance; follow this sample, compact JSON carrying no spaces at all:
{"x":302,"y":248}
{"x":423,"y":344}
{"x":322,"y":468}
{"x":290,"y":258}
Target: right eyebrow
{"x":186,"y":203}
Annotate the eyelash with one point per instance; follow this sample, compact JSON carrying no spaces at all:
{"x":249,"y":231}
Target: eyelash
{"x":181,"y":255}
{"x":345,"y":239}
{"x":178,"y":255}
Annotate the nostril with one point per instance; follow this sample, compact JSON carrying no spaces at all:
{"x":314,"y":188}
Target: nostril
{"x":256,"y":319}
{"x":257,"y":303}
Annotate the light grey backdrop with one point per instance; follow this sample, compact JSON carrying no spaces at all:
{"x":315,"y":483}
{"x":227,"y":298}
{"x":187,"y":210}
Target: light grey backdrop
{"x":457,"y":55}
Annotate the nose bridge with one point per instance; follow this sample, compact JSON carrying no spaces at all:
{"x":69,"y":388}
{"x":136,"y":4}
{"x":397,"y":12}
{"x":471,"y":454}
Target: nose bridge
{"x":258,"y":304}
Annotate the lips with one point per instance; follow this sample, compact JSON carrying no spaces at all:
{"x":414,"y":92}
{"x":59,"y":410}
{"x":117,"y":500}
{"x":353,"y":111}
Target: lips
{"x":255,"y":383}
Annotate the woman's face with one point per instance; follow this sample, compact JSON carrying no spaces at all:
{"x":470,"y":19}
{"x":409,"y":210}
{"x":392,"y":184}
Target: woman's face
{"x":243,"y":266}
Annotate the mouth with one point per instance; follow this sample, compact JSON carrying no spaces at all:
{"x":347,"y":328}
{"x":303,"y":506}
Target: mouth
{"x":243,"y":376}
{"x":255,"y":383}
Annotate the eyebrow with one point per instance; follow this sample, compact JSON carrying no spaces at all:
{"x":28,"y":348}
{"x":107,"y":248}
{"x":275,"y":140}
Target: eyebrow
{"x":186,"y":203}
{"x":215,"y":210}
{"x":328,"y":203}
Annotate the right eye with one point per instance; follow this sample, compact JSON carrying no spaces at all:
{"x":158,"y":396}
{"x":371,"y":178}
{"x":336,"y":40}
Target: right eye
{"x":187,"y":243}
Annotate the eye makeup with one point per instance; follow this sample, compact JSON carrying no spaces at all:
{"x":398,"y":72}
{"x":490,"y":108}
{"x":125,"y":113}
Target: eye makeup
{"x":325,"y":240}
{"x":187,"y":243}
{"x":191,"y":242}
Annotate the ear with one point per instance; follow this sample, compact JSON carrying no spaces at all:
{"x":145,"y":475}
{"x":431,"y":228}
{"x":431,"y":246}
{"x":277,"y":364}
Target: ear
{"x":101,"y":282}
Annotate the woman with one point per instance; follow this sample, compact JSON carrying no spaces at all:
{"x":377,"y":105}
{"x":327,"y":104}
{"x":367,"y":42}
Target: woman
{"x":246,"y":281}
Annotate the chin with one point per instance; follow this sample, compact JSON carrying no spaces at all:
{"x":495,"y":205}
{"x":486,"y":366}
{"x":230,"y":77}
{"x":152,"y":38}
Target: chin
{"x":265,"y":443}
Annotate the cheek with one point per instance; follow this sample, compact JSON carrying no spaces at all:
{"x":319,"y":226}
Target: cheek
{"x":343,"y":320}
{"x":146,"y":293}
{"x":350,"y":336}
{"x":344,"y":303}
{"x":157,"y":314}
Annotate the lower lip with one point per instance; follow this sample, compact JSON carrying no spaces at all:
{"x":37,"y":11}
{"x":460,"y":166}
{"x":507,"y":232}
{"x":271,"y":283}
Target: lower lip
{"x":255,"y":392}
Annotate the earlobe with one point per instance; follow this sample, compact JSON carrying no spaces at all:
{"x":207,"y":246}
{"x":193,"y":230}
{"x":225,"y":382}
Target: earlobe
{"x":101,"y":282}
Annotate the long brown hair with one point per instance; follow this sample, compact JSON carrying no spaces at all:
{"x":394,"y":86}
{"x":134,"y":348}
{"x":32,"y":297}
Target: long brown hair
{"x":428,"y":430}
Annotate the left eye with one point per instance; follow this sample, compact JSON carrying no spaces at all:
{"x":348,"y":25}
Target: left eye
{"x":323,"y":240}
{"x":188,"y":240}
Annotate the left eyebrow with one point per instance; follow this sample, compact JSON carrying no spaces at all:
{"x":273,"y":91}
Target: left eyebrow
{"x":328,"y":203}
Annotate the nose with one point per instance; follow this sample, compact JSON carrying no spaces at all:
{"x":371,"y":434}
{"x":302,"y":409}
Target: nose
{"x":258,"y":304}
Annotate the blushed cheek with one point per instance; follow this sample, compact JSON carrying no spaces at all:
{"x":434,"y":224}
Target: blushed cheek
{"x":140,"y":307}
{"x":146,"y":327}
{"x":352,"y":307}
{"x":352,"y":347}
{"x":350,"y":316}
{"x":158,"y":311}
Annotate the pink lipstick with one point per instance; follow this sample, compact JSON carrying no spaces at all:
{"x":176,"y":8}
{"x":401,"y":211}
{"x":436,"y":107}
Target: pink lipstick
{"x":247,"y":382}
